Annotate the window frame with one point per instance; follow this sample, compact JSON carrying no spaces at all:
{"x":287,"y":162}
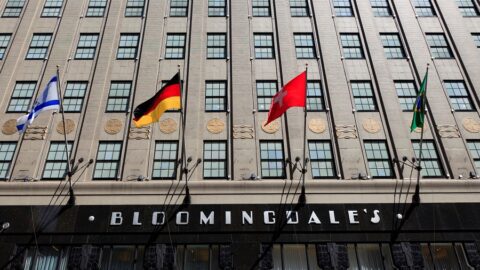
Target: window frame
{"x":271,"y":82}
{"x":375,"y":159}
{"x":376,"y":8}
{"x":260,"y":7}
{"x":111,"y":97}
{"x":213,"y":47}
{"x":46,"y":48}
{"x":399,"y":48}
{"x":224,"y":97}
{"x":463,"y":8}
{"x":58,"y":161}
{"x":104,"y":161}
{"x":214,"y":7}
{"x":418,"y":6}
{"x":330,"y":160}
{"x":160,"y":160}
{"x":21,"y":97}
{"x":94,"y":8}
{"x":5,"y":39}
{"x":339,"y":8}
{"x":320,"y":97}
{"x":12,"y":9}
{"x":438,"y":160}
{"x":8,"y":159}
{"x":432,"y":46}
{"x":404,"y":97}
{"x":94,"y":48}
{"x":185,"y":8}
{"x":120,"y":48}
{"x":282,"y":160}
{"x":297,"y":10}
{"x":48,"y":9}
{"x":67,"y":96}
{"x":167,"y":47}
{"x":301,"y":46}
{"x":372,"y":96}
{"x":457,"y":97}
{"x":347,"y":46}
{"x":132,"y":7}
{"x":213,"y":160}
{"x":272,"y":47}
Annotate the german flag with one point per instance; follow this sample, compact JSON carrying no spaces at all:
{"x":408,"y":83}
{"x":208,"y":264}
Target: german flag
{"x":150,"y":111}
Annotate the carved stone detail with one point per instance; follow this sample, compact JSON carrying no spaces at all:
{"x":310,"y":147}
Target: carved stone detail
{"x":419,"y":129}
{"x":471,"y":125}
{"x":35,"y":133}
{"x":317,"y":125}
{"x":168,"y":126}
{"x":9,"y":127}
{"x":69,"y":126}
{"x":346,"y":131}
{"x":371,"y":125}
{"x":271,"y":128}
{"x":243,"y":132}
{"x":448,"y":131}
{"x":215,"y":126}
{"x":113,"y":126}
{"x":142,"y":133}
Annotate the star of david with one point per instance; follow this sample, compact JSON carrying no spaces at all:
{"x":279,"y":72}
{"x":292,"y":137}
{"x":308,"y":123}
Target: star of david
{"x":279,"y":98}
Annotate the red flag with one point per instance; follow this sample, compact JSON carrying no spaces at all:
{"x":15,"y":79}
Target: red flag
{"x":293,"y":94}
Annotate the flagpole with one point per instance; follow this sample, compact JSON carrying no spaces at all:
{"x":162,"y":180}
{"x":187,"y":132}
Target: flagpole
{"x":303,"y":199}
{"x":184,"y":169}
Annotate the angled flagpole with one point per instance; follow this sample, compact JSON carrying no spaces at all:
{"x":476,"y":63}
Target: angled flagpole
{"x":303,"y":199}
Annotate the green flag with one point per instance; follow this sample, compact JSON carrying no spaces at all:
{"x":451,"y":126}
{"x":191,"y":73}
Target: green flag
{"x":419,"y":106}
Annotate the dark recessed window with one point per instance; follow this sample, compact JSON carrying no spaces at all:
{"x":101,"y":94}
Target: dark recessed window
{"x":128,"y":46}
{"x":74,"y":95}
{"x":363,"y":96}
{"x":4,"y":41}
{"x":424,"y":8}
{"x":263,"y":46}
{"x":7,"y":150}
{"x":56,"y":164}
{"x":343,"y":8}
{"x":87,"y":45}
{"x":381,"y":8}
{"x":215,"y":159}
{"x":134,"y":8}
{"x":314,"y":96}
{"x":261,"y":8}
{"x":216,"y":46}
{"x":165,"y":160}
{"x":216,"y":8}
{"x":439,"y":47}
{"x":215,"y":96}
{"x":351,"y":45}
{"x":119,"y":96}
{"x":378,"y":159}
{"x":467,"y":8}
{"x":265,"y":91}
{"x":21,"y":96}
{"x":178,"y":8}
{"x":13,"y":8}
{"x":407,"y":94}
{"x":321,"y":159}
{"x":108,"y":160}
{"x":39,"y":46}
{"x":96,"y":8}
{"x":458,"y":94}
{"x":299,"y":8}
{"x":52,"y":8}
{"x":175,"y":47}
{"x":272,"y":160}
{"x":392,"y":46}
{"x":304,"y":46}
{"x":431,"y":166}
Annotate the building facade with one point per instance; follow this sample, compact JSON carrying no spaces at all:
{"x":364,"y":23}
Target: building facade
{"x":211,"y":187}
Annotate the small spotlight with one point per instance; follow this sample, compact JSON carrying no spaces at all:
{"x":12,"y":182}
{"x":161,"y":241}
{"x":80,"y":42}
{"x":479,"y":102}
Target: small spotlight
{"x":5,"y":225}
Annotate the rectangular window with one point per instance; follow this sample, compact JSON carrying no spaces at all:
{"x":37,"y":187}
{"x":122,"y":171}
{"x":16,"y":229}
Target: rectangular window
{"x":175,"y":47}
{"x":13,"y":8}
{"x":424,"y":8}
{"x":119,"y":96}
{"x":321,"y":159}
{"x":261,"y":8}
{"x":263,"y":46}
{"x":351,"y":45}
{"x":107,"y":161}
{"x":96,"y":8}
{"x":87,"y":45}
{"x":7,"y":150}
{"x":178,"y":8}
{"x":430,"y":162}
{"x":392,"y":46}
{"x":467,"y":8}
{"x":407,"y":94}
{"x":39,"y":46}
{"x":314,"y":96}
{"x":381,"y":8}
{"x":52,"y":8}
{"x":458,"y":94}
{"x":439,"y":46}
{"x":363,"y":96}
{"x":265,"y":92}
{"x":214,"y":159}
{"x":474,"y":147}
{"x":216,"y":46}
{"x":271,"y":159}
{"x":21,"y":96}
{"x":165,"y":160}
{"x":343,"y":8}
{"x":4,"y":41}
{"x":215,"y":96}
{"x":476,"y":39}
{"x":304,"y":46}
{"x":74,"y":95}
{"x":134,"y":8}
{"x":299,"y":8}
{"x":378,"y":159}
{"x":216,"y":8}
{"x":128,"y":46}
{"x":56,"y":164}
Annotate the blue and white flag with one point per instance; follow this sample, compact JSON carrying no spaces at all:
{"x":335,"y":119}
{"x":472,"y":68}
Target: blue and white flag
{"x":47,"y":100}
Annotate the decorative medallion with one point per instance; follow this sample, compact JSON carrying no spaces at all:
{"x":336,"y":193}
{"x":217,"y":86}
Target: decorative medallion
{"x":168,"y":126}
{"x":346,"y":131}
{"x":371,"y":125}
{"x":69,"y":126}
{"x":215,"y":126}
{"x":471,"y":125}
{"x":317,"y":126}
{"x":9,"y":127}
{"x":113,"y":126}
{"x":243,"y":132}
{"x":272,"y":127}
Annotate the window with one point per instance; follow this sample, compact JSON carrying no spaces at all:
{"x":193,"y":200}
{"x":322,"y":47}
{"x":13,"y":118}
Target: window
{"x":214,"y":159}
{"x":96,"y":8}
{"x":215,"y":98}
{"x":87,"y":45}
{"x":304,"y":46}
{"x":476,"y":39}
{"x":430,"y":163}
{"x":216,"y":8}
{"x":378,"y":159}
{"x":392,"y":46}
{"x":265,"y":91}
{"x":271,"y":159}
{"x":363,"y":96}
{"x":175,"y":47}
{"x":119,"y":96}
{"x":134,"y":8}
{"x":299,"y":8}
{"x":321,"y":159}
{"x":352,"y":48}
{"x":22,"y":94}
{"x":261,"y":8}
{"x":127,"y":48}
{"x":467,"y":8}
{"x":216,"y":46}
{"x":56,"y":164}
{"x":39,"y":46}
{"x":73,"y":98}
{"x":108,"y":159}
{"x":424,"y":8}
{"x":13,"y":8}
{"x":473,"y":146}
{"x":381,"y":8}
{"x":407,"y":94}
{"x":165,"y":160}
{"x":178,"y":8}
{"x":438,"y":46}
{"x":314,"y":96}
{"x":263,"y":46}
{"x":458,"y":94}
{"x":7,"y":149}
{"x":52,"y":8}
{"x":4,"y":41}
{"x":343,"y":8}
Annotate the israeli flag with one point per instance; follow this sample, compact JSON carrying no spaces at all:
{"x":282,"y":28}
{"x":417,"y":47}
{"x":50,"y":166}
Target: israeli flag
{"x":47,"y":100}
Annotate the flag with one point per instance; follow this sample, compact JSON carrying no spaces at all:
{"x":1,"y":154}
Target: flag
{"x":150,"y":111}
{"x":293,"y":94}
{"x":46,"y":101}
{"x":419,"y":106}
